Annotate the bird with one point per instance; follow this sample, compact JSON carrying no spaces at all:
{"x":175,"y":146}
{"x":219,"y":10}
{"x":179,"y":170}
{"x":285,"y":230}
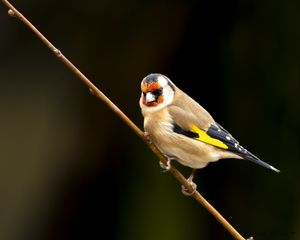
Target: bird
{"x":183,"y":130}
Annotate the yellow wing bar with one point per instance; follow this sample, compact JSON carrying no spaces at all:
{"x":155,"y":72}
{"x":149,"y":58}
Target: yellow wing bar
{"x":203,"y":137}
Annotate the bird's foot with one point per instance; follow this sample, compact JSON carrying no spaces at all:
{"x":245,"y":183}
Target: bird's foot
{"x":147,"y":137}
{"x":166,"y":167}
{"x":186,"y":192}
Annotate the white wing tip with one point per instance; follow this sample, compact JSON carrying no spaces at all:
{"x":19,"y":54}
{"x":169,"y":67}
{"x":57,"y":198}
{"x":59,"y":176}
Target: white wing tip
{"x":275,"y":169}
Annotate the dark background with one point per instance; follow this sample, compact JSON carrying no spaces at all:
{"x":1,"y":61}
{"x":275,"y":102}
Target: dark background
{"x":70,"y":169}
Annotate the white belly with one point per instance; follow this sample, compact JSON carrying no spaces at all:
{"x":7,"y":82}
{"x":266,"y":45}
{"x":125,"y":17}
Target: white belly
{"x":193,"y":159}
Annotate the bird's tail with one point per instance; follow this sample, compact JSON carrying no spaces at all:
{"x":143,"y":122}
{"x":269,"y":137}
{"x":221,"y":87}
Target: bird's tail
{"x":251,"y":157}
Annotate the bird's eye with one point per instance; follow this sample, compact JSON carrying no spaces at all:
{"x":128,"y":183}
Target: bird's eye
{"x":158,"y":92}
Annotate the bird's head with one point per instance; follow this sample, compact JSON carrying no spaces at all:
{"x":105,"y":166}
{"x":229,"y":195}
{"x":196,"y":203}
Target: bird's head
{"x":157,"y":92}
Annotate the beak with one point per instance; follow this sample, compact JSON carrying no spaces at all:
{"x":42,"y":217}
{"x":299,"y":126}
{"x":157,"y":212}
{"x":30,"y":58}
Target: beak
{"x":150,"y":97}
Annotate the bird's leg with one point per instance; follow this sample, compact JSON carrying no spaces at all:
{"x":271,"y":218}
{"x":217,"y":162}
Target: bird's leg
{"x":162,"y":165}
{"x":147,"y":137}
{"x":168,"y":166}
{"x":194,"y":186}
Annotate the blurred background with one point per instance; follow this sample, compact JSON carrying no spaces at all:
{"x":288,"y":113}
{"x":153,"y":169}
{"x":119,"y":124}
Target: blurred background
{"x":71,"y":169}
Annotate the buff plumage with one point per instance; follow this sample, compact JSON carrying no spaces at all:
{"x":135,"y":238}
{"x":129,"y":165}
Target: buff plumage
{"x":183,"y":130}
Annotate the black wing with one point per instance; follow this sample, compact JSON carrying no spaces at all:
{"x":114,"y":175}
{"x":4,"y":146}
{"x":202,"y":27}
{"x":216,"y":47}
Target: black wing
{"x":218,"y":132}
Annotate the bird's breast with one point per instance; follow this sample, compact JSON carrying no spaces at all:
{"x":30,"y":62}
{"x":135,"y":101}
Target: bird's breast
{"x":158,"y":124}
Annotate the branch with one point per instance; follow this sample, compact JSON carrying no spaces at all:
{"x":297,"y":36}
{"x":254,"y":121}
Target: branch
{"x":13,"y":12}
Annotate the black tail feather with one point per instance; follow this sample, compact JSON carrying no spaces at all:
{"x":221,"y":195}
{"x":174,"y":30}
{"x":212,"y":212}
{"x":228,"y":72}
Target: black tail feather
{"x":251,"y":157}
{"x":233,"y":145}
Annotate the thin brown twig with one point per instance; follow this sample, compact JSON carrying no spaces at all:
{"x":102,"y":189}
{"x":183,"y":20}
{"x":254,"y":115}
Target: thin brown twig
{"x":13,"y":12}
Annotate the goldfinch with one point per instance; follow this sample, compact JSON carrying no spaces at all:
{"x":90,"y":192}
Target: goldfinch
{"x":183,"y":130}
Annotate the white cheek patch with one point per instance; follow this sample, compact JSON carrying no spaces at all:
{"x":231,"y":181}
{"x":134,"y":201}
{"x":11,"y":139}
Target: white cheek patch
{"x":168,"y":95}
{"x":162,"y":81}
